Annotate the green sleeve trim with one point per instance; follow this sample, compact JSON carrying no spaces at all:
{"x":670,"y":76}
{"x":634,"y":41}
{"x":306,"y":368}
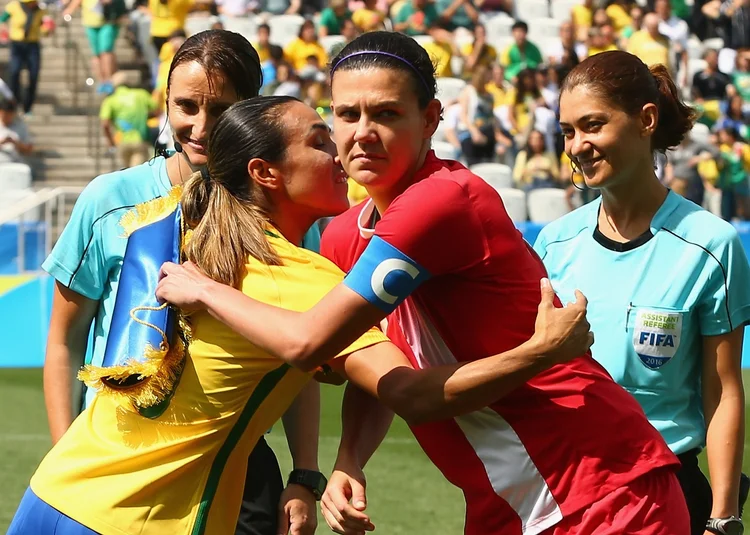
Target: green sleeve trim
{"x":5,"y":16}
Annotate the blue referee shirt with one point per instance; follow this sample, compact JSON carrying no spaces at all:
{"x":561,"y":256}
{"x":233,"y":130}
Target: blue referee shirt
{"x":652,"y":300}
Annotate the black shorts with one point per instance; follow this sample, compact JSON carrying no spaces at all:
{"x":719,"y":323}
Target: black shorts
{"x":263,"y":487}
{"x":697,"y":491}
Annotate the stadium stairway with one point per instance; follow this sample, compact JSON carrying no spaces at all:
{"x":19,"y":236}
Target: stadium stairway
{"x":66,"y":112}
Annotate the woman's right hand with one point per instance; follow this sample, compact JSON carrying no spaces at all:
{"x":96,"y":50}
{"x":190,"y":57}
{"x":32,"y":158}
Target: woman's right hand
{"x":561,"y":334}
{"x":184,"y":286}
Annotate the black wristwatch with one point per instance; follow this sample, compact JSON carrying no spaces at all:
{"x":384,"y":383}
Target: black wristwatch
{"x":310,"y":479}
{"x":725,"y":526}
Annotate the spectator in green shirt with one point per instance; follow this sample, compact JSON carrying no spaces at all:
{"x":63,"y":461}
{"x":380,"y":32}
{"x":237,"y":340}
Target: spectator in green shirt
{"x":124,"y":116}
{"x":520,"y":55}
{"x":332,"y":18}
{"x":417,"y":17}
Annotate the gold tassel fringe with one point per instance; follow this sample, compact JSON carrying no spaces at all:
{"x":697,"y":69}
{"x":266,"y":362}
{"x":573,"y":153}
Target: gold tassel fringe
{"x":150,"y":211}
{"x":157,"y":376}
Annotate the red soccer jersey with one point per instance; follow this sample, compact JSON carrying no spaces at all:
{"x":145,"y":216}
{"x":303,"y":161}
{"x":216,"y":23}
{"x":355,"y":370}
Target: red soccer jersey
{"x":555,"y":445}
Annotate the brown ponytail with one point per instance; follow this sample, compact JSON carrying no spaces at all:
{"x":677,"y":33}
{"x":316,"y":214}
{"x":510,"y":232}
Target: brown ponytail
{"x":626,"y":83}
{"x":675,"y":117}
{"x":227,"y":228}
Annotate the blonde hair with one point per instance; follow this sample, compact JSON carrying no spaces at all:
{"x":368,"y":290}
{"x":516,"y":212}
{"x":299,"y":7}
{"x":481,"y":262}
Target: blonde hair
{"x":226,"y":210}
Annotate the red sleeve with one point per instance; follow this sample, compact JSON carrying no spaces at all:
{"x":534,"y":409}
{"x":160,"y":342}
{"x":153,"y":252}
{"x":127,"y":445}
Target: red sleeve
{"x":434,"y":223}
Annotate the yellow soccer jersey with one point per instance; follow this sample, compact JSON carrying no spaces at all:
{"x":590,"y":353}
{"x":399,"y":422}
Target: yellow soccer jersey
{"x":183,"y":472}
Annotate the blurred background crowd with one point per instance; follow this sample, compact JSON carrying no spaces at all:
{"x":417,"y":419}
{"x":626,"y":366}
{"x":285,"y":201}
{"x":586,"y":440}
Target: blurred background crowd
{"x":499,"y":62}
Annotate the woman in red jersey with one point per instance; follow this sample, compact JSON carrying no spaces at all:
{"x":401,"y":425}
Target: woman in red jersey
{"x":435,"y":253}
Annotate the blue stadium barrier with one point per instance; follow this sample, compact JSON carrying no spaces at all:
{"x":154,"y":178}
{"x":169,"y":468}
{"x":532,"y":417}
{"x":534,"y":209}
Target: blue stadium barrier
{"x":34,"y":234}
{"x":25,"y":309}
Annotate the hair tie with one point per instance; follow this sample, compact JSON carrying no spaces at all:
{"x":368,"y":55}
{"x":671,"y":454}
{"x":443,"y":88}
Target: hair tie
{"x":387,"y":54}
{"x":204,"y":174}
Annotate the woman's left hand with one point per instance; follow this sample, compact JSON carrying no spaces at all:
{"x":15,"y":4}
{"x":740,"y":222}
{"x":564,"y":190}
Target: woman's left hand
{"x":184,"y":286}
{"x":297,"y":511}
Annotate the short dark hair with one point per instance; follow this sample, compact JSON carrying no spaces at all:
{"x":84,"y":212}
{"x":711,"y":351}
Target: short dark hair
{"x":520,"y":25}
{"x":264,"y":26}
{"x":225,"y":53}
{"x":414,"y":60}
{"x":8,"y":104}
{"x":628,"y":84}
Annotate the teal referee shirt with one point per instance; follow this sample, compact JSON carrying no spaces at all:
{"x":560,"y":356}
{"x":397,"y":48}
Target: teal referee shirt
{"x":652,"y":300}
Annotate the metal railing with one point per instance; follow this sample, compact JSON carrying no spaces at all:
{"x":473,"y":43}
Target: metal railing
{"x":78,"y":78}
{"x":51,"y":203}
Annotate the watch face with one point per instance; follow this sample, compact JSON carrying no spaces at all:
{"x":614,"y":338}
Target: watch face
{"x":734,"y":527}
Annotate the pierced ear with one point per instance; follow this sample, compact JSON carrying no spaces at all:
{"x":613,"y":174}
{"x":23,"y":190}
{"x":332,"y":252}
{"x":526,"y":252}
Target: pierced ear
{"x":649,"y":119}
{"x":263,"y":173}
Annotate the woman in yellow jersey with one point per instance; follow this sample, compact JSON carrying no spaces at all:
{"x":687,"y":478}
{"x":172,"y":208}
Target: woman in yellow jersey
{"x":271,"y":173}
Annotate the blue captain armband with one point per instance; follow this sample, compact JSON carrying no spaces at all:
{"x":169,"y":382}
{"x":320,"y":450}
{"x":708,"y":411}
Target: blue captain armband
{"x":385,"y":276}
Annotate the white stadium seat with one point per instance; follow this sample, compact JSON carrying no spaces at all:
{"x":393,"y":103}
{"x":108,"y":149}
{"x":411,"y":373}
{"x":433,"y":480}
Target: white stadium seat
{"x":544,"y":29}
{"x":498,"y":27}
{"x":527,"y":10}
{"x":195,"y":25}
{"x":497,"y":175}
{"x":424,"y":39}
{"x":246,"y":27}
{"x":700,"y":134}
{"x":561,"y":9}
{"x":694,"y":66}
{"x":515,"y":204}
{"x":330,"y":41}
{"x":14,"y":177}
{"x":285,"y":28}
{"x":448,"y":89}
{"x":444,"y":150}
{"x":547,"y":204}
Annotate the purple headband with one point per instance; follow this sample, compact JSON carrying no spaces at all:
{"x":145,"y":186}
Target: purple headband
{"x":380,"y":53}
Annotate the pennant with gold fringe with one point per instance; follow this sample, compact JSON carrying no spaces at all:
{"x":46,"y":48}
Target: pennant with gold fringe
{"x":147,"y":343}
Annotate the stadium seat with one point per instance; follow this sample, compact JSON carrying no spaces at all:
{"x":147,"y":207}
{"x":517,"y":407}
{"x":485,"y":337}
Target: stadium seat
{"x":497,"y":175}
{"x":715,"y":43}
{"x":499,"y":27}
{"x":424,"y":39}
{"x":500,"y":43}
{"x":695,"y":48}
{"x":547,"y":204}
{"x":694,"y":66}
{"x":14,"y":177}
{"x":527,"y":10}
{"x":547,"y":45}
{"x":14,"y":197}
{"x":700,"y":134}
{"x":195,"y":25}
{"x":561,"y":9}
{"x":448,"y":89}
{"x":285,"y":28}
{"x":246,"y":27}
{"x":444,"y":150}
{"x":545,"y":28}
{"x":329,"y":41}
{"x":515,"y":204}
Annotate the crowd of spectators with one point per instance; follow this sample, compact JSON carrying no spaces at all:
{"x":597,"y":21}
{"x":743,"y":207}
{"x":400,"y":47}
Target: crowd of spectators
{"x":500,"y":65}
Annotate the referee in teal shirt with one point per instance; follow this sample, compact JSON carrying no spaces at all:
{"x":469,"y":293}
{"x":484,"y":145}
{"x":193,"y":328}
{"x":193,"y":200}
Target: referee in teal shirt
{"x":668,"y":283}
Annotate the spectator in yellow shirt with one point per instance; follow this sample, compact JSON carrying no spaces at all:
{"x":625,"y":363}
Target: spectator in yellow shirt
{"x":263,"y":44}
{"x":304,"y":46}
{"x":498,"y":87}
{"x":441,"y":55}
{"x":619,"y":14}
{"x":369,"y":18}
{"x":479,"y":52}
{"x":26,"y":20}
{"x":168,"y":16}
{"x":582,"y":16}
{"x":648,"y":44}
{"x":598,"y":42}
